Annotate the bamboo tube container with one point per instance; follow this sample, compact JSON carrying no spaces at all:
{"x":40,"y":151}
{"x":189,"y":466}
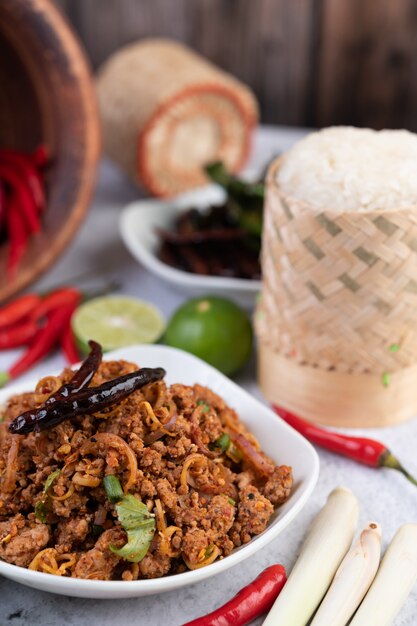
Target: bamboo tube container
{"x":337,"y":317}
{"x":166,"y":112}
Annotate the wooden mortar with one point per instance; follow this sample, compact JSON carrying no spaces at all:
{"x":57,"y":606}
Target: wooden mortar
{"x":47,"y":96}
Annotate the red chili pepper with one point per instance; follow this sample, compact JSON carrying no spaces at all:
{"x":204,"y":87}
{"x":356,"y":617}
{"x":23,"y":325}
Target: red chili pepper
{"x":18,"y":335}
{"x":22,"y":191}
{"x":253,"y":600}
{"x":44,"y":342}
{"x":56,"y":299}
{"x":18,"y":309}
{"x":17,"y":234}
{"x":69,"y":346}
{"x":40,"y":156}
{"x":363,"y":450}
{"x":26,"y":169}
{"x":2,"y":206}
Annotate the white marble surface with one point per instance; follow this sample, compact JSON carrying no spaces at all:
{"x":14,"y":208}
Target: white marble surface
{"x":384,"y":495}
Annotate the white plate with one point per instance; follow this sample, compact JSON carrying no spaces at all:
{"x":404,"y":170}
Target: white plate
{"x":138,"y":223}
{"x":283,"y":444}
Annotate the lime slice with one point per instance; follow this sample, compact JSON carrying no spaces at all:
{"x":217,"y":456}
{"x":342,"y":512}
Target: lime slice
{"x":116,"y":321}
{"x":214,"y":329}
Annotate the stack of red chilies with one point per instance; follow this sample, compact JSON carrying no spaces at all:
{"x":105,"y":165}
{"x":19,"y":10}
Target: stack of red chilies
{"x":22,"y":199}
{"x":40,"y":323}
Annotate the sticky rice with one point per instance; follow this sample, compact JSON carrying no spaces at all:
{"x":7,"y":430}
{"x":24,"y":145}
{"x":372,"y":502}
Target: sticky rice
{"x":352,"y":169}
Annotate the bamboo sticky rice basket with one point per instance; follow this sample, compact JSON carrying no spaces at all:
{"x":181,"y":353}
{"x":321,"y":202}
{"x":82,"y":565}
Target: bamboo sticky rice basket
{"x":337,"y":317}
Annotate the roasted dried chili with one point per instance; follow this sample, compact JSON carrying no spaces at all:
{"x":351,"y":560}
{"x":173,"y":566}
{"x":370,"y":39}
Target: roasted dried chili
{"x":85,"y":402}
{"x":249,"y":603}
{"x":82,"y":376}
{"x":361,"y":449}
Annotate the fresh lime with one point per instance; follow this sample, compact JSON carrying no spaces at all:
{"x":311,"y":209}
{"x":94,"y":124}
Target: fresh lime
{"x":214,"y":329}
{"x":116,"y":321}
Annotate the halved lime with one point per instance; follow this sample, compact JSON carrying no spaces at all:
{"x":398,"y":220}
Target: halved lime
{"x":117,"y":321}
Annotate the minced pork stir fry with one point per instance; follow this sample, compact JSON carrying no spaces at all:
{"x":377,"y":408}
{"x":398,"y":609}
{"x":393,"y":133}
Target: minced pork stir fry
{"x":155,"y":481}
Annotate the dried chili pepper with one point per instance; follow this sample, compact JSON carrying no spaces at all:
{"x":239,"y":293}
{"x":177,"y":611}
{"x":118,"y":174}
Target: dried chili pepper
{"x":44,"y":342}
{"x":363,"y":450}
{"x":85,"y":402}
{"x":82,"y":376}
{"x":18,"y":309}
{"x":249,"y":603}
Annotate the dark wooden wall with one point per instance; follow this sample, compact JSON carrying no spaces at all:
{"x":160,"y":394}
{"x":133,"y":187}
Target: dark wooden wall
{"x":310,"y":62}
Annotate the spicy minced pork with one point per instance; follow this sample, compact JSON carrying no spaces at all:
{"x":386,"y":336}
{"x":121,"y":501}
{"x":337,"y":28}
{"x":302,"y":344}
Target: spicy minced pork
{"x":180,"y":450}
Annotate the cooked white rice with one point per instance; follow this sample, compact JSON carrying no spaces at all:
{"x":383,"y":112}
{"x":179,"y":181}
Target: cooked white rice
{"x":346,"y":168}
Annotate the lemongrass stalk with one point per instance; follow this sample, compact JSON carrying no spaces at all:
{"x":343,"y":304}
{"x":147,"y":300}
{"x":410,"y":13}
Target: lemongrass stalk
{"x":326,"y":544}
{"x":352,"y":579}
{"x":393,"y":582}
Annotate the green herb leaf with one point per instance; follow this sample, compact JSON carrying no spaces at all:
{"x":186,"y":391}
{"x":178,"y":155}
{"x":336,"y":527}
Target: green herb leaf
{"x":41,"y":510}
{"x":50,"y":480}
{"x":132,"y":513}
{"x":394,"y":347}
{"x":231,"y":501}
{"x":202,"y":403}
{"x":386,"y":379}
{"x":113,"y":488}
{"x":223,"y":442}
{"x":139,"y":525}
{"x":138,"y":542}
{"x":135,"y":519}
